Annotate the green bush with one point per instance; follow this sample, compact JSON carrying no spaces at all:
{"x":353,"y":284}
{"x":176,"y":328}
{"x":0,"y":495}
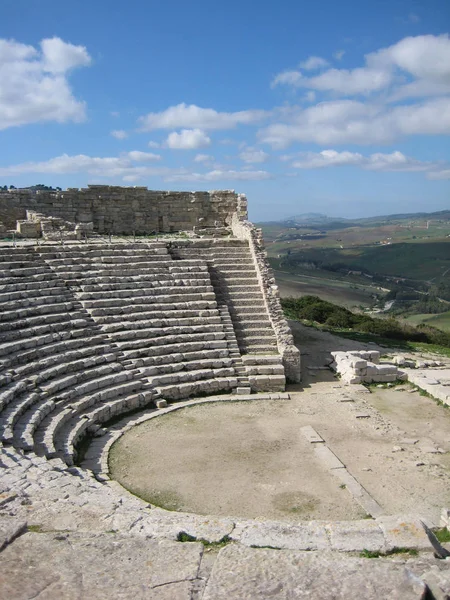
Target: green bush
{"x":313,"y":308}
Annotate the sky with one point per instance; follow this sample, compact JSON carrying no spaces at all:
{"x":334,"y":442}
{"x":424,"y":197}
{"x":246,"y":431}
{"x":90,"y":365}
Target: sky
{"x":341,"y":108}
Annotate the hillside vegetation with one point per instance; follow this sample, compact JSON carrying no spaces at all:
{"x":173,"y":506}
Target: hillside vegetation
{"x":397,"y":265}
{"x":313,"y":309}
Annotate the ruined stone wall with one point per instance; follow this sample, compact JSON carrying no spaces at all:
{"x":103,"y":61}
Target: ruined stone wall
{"x":124,"y":210}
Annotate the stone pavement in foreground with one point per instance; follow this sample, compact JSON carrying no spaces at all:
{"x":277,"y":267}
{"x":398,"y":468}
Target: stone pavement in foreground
{"x":63,"y":534}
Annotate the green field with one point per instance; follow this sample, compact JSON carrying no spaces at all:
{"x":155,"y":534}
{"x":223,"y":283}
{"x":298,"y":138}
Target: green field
{"x":344,"y":293}
{"x":423,"y":261}
{"x":441,"y":321}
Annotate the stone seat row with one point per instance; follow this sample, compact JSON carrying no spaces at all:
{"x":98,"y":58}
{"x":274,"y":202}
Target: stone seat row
{"x":165,"y":323}
{"x":151,"y":287}
{"x":181,"y":295}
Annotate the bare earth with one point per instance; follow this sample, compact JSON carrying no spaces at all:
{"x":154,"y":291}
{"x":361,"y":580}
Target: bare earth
{"x":249,"y":459}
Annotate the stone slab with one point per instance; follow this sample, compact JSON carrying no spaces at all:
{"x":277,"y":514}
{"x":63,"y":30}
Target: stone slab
{"x":169,"y":524}
{"x":328,"y":458}
{"x":403,"y":531}
{"x":361,"y":495}
{"x":355,"y":536}
{"x":98,"y":567}
{"x":306,"y":536}
{"x":311,"y":434}
{"x":10,"y":528}
{"x":249,"y":574}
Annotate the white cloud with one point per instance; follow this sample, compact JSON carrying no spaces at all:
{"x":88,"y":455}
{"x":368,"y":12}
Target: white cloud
{"x":310,"y":96}
{"x":127,"y":167}
{"x":424,"y":58}
{"x":195,"y":117}
{"x":327,"y":158}
{"x":349,"y":121}
{"x":252,"y":155}
{"x":138,"y":156}
{"x":221,"y":175}
{"x":153,"y":144}
{"x":119,"y":134}
{"x":115,"y":113}
{"x":111,"y":166}
{"x":313,"y":63}
{"x":442,"y":174}
{"x":34,"y":85}
{"x":188,"y":139}
{"x":348,"y":83}
{"x":338,"y":54}
{"x":395,"y":161}
{"x":288,"y":78}
{"x":203,"y":158}
{"x":59,"y":56}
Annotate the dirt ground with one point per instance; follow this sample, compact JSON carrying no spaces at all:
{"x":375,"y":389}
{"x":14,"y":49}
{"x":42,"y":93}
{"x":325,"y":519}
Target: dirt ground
{"x":249,"y":459}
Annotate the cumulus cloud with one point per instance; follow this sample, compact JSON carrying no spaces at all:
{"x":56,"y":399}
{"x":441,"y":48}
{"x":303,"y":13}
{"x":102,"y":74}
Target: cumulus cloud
{"x":153,"y":144}
{"x":59,"y":56}
{"x":34,"y":85}
{"x":313,"y":63}
{"x":188,"y":139}
{"x":128,"y":167}
{"x":351,"y":121}
{"x":119,"y":134}
{"x":220,"y":175}
{"x":425,"y":59}
{"x":395,"y":161}
{"x":139,"y":156}
{"x":203,"y":158}
{"x":252,"y":155}
{"x":110,"y":166}
{"x":195,"y":117}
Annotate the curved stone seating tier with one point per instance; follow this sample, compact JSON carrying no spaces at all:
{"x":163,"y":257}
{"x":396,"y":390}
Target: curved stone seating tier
{"x":90,"y":331}
{"x":173,"y":346}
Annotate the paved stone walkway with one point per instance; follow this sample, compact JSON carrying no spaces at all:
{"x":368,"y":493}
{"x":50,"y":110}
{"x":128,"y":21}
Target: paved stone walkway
{"x":63,"y":534}
{"x":435,"y":382}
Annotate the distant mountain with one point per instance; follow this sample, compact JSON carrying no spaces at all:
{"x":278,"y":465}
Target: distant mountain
{"x":319,"y":220}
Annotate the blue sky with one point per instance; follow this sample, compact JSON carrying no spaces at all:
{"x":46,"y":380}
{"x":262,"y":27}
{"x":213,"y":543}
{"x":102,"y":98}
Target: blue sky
{"x":341,"y":108}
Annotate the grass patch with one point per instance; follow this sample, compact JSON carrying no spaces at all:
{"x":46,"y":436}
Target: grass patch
{"x":443,"y":534}
{"x":186,"y":537}
{"x":378,"y":554}
{"x":35,"y":528}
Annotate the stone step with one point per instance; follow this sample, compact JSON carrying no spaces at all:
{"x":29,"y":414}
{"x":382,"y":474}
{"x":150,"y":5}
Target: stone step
{"x":30,"y":302}
{"x":186,"y":365}
{"x":181,"y":377}
{"x":40,"y":330}
{"x":204,"y":386}
{"x":167,"y":323}
{"x":27,"y":286}
{"x":258,"y":349}
{"x":159,"y":314}
{"x":62,"y":345}
{"x":270,"y":359}
{"x":202,"y":278}
{"x":134,"y":311}
{"x":175,"y":345}
{"x":149,"y":334}
{"x":179,"y":294}
{"x":143,"y":343}
{"x":36,"y":310}
{"x":155,"y":287}
{"x":42,"y":320}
